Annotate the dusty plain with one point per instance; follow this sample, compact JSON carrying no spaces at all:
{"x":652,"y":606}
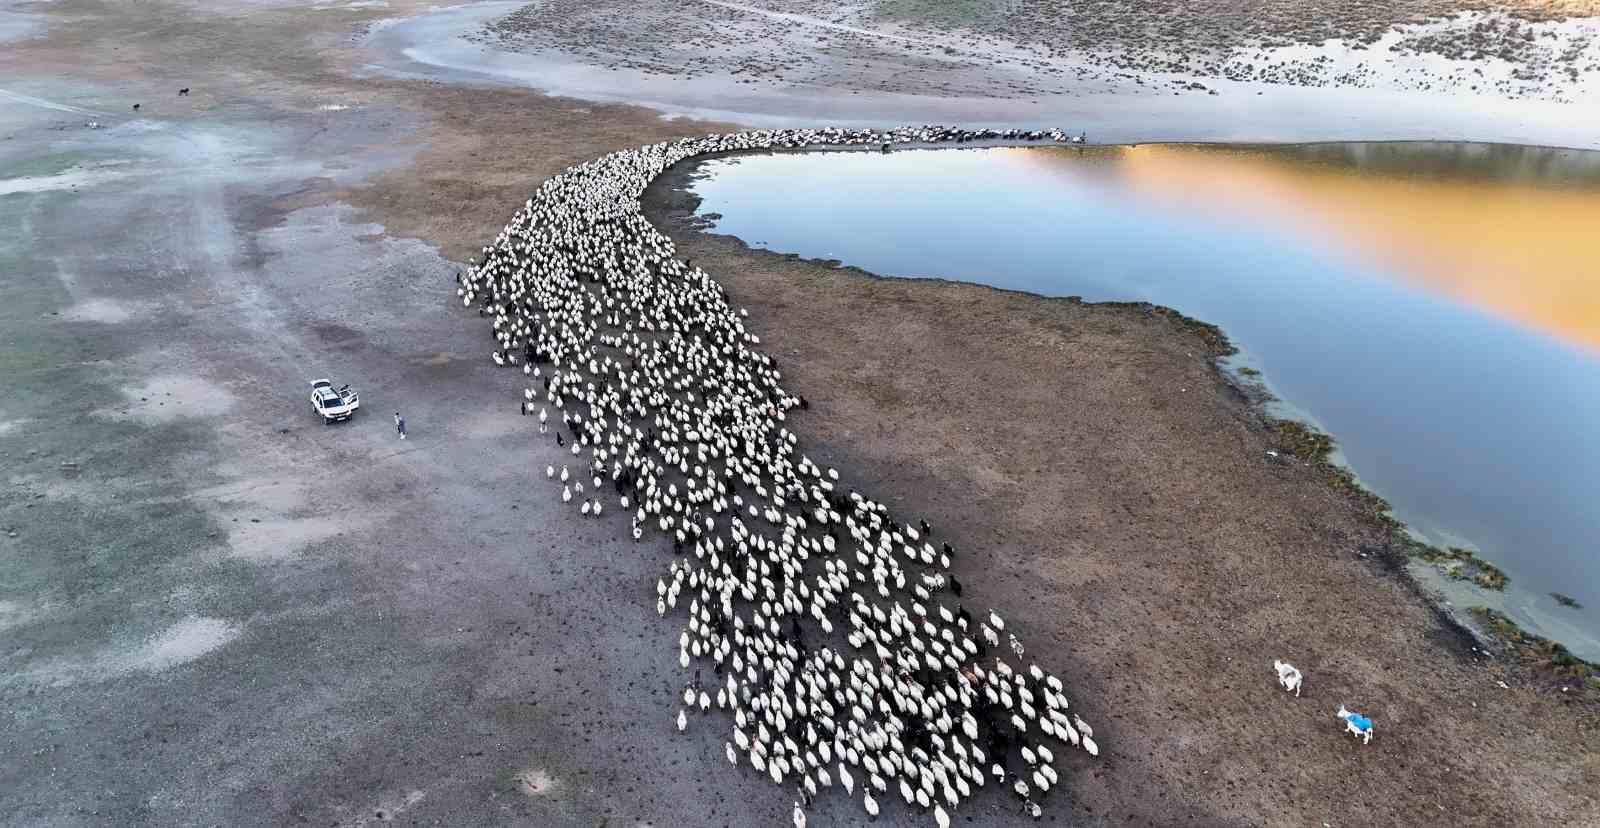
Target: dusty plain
{"x":214,"y":610}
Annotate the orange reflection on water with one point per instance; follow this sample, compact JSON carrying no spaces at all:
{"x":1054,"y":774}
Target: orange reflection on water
{"x":1488,"y":233}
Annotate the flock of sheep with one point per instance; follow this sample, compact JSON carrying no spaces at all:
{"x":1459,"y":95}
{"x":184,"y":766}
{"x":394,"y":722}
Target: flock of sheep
{"x":839,"y":652}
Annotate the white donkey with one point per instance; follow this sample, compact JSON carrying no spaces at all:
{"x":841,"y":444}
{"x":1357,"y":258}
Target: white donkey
{"x":1288,"y":676}
{"x":1356,"y":723}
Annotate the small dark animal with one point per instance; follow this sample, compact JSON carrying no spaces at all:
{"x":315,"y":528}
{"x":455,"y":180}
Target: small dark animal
{"x":135,"y":107}
{"x":559,"y":441}
{"x":926,"y":529}
{"x":183,"y":92}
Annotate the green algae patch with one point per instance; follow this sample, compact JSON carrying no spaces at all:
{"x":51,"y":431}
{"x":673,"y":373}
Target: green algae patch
{"x":1344,"y":481}
{"x":1534,"y":649}
{"x":1456,"y":563}
{"x":1301,"y":440}
{"x":1216,"y":342}
{"x":1308,"y":443}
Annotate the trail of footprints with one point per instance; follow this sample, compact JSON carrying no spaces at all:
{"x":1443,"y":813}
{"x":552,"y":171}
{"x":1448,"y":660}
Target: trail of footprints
{"x":837,"y":646}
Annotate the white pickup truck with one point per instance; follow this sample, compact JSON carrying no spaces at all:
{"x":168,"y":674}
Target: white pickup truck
{"x":333,"y":404}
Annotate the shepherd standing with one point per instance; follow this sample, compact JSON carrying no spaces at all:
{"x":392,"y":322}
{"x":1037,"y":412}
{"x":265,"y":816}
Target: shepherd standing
{"x":400,"y":425}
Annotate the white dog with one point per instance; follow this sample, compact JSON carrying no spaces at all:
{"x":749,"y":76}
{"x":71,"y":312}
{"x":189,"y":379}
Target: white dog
{"x":1356,"y":723}
{"x":1288,"y":676}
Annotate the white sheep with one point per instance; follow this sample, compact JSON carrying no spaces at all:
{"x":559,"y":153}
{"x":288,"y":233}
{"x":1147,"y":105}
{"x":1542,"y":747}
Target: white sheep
{"x":1357,"y":724}
{"x":1288,"y":676}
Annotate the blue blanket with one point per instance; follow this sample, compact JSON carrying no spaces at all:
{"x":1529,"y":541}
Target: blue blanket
{"x":1361,"y":722}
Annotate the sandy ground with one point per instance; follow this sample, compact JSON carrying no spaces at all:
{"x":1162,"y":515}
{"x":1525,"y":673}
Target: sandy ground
{"x":214,"y":610}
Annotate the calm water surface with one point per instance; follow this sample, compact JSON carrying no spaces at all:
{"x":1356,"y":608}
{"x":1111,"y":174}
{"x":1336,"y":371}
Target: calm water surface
{"x":1436,"y":307}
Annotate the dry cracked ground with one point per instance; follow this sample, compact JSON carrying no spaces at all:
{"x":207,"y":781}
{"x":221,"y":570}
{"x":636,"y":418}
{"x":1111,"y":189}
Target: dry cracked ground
{"x":215,"y":610}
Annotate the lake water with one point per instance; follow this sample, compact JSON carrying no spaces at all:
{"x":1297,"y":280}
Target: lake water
{"x":1435,"y":307}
